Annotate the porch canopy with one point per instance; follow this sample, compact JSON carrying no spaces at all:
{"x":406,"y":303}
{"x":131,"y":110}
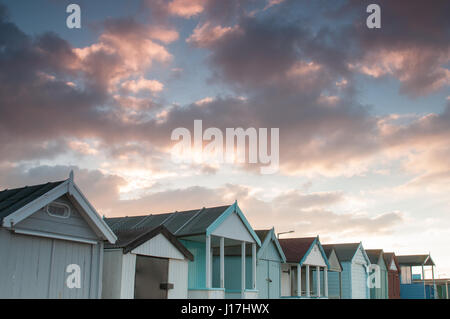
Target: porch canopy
{"x":308,"y":254}
{"x":409,"y":261}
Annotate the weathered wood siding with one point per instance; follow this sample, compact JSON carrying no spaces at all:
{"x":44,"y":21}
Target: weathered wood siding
{"x":35,"y":267}
{"x":75,"y":225}
{"x":333,"y":284}
{"x":178,"y":275}
{"x":112,"y":273}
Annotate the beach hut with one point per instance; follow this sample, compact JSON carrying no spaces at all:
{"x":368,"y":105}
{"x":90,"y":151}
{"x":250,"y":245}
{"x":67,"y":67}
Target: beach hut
{"x":393,"y":275}
{"x":378,"y":274}
{"x":145,"y":264}
{"x":201,"y":231}
{"x":415,"y":286}
{"x":354,"y":261}
{"x":51,"y":242}
{"x":269,"y":258}
{"x":442,"y":287}
{"x":305,"y":273}
{"x":334,"y":273}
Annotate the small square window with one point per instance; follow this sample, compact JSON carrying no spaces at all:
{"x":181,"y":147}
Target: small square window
{"x":60,"y":210}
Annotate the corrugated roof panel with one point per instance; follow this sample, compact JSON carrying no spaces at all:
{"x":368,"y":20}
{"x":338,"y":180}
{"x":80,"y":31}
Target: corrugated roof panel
{"x":191,"y":222}
{"x":155,"y":220}
{"x":123,"y":223}
{"x":13,"y":199}
{"x":200,"y":223}
{"x":180,"y":219}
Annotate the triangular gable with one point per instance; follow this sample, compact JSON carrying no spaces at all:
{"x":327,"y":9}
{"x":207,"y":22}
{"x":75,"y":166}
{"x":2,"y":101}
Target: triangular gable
{"x":363,"y":253}
{"x":271,"y":237}
{"x":393,"y":266}
{"x":381,"y":259}
{"x":333,"y":260}
{"x":223,"y":224}
{"x":157,"y":242}
{"x":315,"y":255}
{"x":67,"y":187}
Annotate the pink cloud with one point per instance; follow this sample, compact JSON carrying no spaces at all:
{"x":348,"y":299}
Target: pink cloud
{"x":206,"y":34}
{"x":186,"y":8}
{"x":142,"y":84}
{"x":419,"y":70}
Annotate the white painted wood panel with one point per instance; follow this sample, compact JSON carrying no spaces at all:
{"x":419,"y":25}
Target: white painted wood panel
{"x":128,"y":274}
{"x":178,"y":275}
{"x":233,"y":227}
{"x":315,"y":257}
{"x":158,"y":246}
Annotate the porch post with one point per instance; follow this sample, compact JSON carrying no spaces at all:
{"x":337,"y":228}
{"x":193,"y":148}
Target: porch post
{"x":208,"y":261}
{"x":325,"y":282}
{"x":446,"y":290}
{"x":299,"y":280}
{"x":434,"y":283}
{"x":222,"y":262}
{"x":318,"y":280}
{"x":308,"y":292}
{"x":340,"y":285}
{"x":254,"y":266}
{"x":243,"y":269}
{"x":423,"y":280}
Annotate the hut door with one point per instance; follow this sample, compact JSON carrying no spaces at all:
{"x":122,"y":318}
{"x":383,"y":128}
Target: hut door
{"x":264,"y":283}
{"x":274,"y":284}
{"x":151,"y":277}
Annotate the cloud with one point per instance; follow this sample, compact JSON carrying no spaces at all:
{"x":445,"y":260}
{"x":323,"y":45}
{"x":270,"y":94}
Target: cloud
{"x":206,"y":34}
{"x":417,"y":54}
{"x":142,"y":84}
{"x":186,"y":8}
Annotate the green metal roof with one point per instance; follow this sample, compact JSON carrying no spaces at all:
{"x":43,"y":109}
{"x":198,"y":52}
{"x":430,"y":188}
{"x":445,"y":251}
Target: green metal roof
{"x":374,"y":255}
{"x":262,"y":233}
{"x":345,"y":252}
{"x":13,"y":199}
{"x":181,"y":224}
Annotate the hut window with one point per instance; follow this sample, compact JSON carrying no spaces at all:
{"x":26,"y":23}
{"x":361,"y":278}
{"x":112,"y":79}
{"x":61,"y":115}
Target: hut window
{"x":58,"y":210}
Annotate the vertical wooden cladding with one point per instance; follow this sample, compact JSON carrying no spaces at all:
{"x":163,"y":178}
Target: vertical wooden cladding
{"x":394,"y":285}
{"x":35,"y":267}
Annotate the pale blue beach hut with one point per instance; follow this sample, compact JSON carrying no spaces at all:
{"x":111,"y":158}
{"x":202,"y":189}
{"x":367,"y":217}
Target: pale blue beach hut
{"x":269,"y":258}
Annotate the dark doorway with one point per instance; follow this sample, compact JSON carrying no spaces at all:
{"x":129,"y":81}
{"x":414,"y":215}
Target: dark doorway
{"x":152,"y":275}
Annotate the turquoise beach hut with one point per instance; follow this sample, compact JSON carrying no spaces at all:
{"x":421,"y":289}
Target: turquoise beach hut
{"x":202,"y":231}
{"x":269,"y":258}
{"x":380,"y":289}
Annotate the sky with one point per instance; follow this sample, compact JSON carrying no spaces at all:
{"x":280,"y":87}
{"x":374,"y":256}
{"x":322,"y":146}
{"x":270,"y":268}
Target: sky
{"x":363,"y":114}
